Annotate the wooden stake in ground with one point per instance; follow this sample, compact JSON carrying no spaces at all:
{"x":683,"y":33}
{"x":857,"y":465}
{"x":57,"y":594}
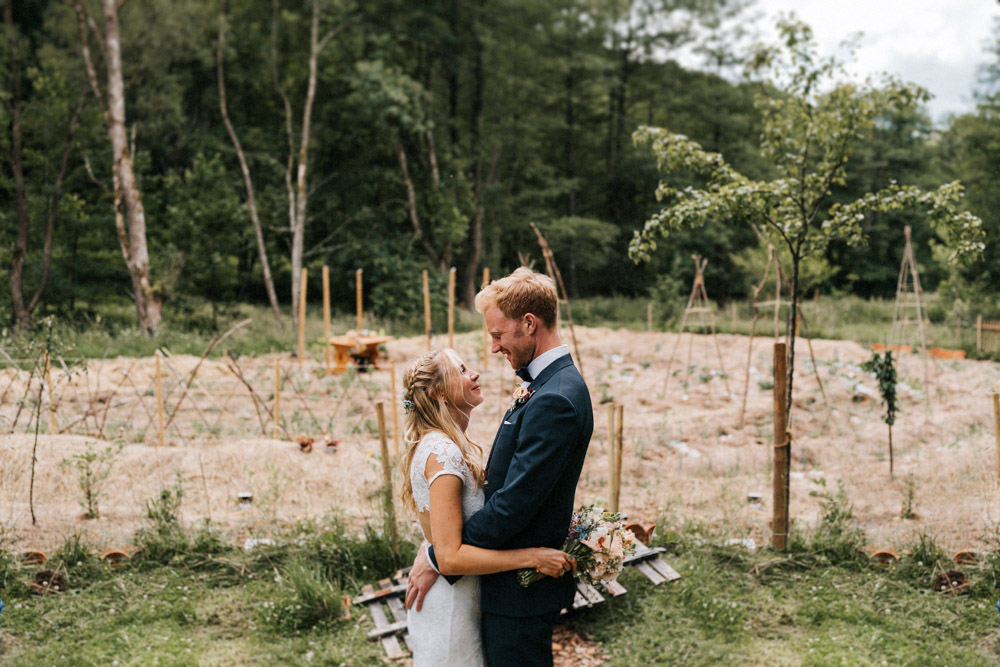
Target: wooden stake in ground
{"x":326,"y":318}
{"x":996,"y":424}
{"x":52,"y":404}
{"x":159,"y":401}
{"x":277,"y":398}
{"x":393,"y":401}
{"x":486,"y":332}
{"x":782,"y":450}
{"x":451,"y":308}
{"x":302,"y":318}
{"x":361,"y":307}
{"x":619,"y":447}
{"x":389,"y":508}
{"x":612,"y":461}
{"x":427,"y":311}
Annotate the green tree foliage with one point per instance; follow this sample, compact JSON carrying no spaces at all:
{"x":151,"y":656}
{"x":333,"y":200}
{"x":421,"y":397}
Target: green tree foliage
{"x":506,"y":111}
{"x":810,"y":127}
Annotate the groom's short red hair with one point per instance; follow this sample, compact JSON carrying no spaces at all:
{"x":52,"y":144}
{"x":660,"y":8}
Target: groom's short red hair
{"x":523,"y":291}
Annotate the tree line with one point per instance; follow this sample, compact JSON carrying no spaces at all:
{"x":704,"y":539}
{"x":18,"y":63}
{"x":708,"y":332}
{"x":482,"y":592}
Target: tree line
{"x":169,"y":150}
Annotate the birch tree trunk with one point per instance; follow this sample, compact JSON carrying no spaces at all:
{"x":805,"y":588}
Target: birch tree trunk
{"x":130,"y":215}
{"x":298,"y":159}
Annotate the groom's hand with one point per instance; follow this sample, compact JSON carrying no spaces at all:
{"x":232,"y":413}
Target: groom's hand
{"x":422,"y":577}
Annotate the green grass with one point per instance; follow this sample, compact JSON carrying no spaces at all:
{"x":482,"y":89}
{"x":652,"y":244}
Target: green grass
{"x":734,"y":607}
{"x":204,"y":602}
{"x":109,"y":329}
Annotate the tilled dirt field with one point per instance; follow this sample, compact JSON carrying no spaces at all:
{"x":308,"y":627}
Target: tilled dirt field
{"x":685,"y":457}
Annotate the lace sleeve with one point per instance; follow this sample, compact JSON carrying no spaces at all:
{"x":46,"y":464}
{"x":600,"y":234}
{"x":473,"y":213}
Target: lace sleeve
{"x":447,"y":454}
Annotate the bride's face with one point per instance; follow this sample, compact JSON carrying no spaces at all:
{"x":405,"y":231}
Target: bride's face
{"x":469,"y":393}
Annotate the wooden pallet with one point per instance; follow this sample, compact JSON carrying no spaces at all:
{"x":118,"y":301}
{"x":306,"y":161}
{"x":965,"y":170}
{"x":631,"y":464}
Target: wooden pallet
{"x":388,"y":612}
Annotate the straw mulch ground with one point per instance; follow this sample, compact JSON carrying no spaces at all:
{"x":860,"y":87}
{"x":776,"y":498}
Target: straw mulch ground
{"x":685,"y":457}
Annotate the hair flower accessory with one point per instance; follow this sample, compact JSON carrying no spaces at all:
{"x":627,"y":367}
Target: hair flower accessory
{"x":408,"y":405}
{"x":521,"y":396}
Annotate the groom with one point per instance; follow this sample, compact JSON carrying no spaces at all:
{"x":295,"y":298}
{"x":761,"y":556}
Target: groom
{"x":532,"y":471}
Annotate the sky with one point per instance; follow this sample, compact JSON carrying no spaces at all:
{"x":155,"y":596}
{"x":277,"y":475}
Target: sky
{"x":937,"y":44}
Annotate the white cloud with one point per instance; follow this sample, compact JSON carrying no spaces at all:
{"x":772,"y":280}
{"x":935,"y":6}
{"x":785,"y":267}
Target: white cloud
{"x":938,"y":44}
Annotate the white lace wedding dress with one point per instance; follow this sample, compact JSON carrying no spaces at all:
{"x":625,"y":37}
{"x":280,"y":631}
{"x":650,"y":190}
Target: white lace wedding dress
{"x":446,"y":631}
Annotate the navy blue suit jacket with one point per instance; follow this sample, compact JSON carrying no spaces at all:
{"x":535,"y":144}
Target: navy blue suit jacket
{"x":531,"y":479}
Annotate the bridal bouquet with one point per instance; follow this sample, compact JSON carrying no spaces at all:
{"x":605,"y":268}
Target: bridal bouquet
{"x":599,"y":542}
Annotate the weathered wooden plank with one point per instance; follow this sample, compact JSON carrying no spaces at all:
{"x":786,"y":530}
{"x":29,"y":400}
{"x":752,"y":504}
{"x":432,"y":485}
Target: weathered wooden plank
{"x":392,"y":648}
{"x":650,"y":573}
{"x":372,"y":594}
{"x":669,"y":573}
{"x":589,"y":592}
{"x":616,"y":589}
{"x":397,"y":608}
{"x":379,"y":618}
{"x":390,"y":629}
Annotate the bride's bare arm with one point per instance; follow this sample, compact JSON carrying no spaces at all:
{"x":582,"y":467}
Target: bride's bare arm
{"x":453,"y":557}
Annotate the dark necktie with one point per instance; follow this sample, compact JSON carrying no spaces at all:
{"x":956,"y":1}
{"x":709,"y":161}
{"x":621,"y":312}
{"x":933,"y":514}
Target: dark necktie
{"x":523,"y":374}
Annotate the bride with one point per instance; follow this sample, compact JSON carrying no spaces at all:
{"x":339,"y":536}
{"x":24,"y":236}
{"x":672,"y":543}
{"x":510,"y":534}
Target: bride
{"x":443,"y":480}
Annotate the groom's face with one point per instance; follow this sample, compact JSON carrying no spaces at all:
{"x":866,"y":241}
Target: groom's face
{"x":510,"y":338}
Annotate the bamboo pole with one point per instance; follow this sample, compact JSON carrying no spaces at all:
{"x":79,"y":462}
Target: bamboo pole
{"x":395,"y":407}
{"x":649,"y":316}
{"x":451,"y":308}
{"x":486,"y":331}
{"x":389,"y":508}
{"x":302,"y":317}
{"x":612,"y":461}
{"x":996,"y":425}
{"x":958,"y":331}
{"x":159,"y":400}
{"x":48,"y":384}
{"x":277,"y":398}
{"x":782,"y":447}
{"x":361,"y":307}
{"x":427,"y":310}
{"x":979,"y":333}
{"x":326,"y":318}
{"x":619,"y":447}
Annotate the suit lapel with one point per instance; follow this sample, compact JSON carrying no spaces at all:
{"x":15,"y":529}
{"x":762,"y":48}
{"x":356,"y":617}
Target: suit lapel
{"x":536,"y":384}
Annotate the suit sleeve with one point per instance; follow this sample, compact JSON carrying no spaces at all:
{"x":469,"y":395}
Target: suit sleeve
{"x":548,"y":435}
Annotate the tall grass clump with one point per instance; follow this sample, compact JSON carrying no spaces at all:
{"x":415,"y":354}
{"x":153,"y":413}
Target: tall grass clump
{"x":349,"y":558}
{"x":302,"y":599}
{"x":924,"y":560}
{"x":837,"y":538}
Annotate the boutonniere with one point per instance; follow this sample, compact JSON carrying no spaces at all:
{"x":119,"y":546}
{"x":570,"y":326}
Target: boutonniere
{"x":521,"y":396}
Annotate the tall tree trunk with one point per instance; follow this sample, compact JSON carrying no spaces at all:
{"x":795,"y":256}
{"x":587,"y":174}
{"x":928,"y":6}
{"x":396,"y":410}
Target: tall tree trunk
{"x":128,"y":198}
{"x":272,"y":296}
{"x":476,"y":225}
{"x":298,"y":159}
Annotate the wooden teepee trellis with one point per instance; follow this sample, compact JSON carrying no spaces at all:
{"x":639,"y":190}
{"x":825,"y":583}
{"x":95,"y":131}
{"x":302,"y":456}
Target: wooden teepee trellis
{"x":697,"y":305}
{"x":909,"y":299}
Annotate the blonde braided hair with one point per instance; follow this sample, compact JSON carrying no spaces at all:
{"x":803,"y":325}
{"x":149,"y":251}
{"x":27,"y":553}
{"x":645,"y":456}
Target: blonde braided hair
{"x":428,"y":383}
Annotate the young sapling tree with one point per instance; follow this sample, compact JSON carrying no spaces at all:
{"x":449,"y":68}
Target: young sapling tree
{"x":884,"y":368}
